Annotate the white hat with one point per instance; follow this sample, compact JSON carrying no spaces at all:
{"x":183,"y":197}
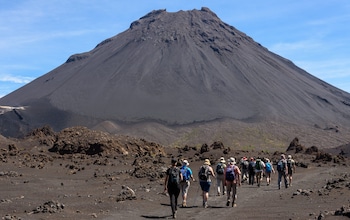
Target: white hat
{"x":232,"y":160}
{"x":289,"y":156}
{"x":185,"y":162}
{"x":222,"y":160}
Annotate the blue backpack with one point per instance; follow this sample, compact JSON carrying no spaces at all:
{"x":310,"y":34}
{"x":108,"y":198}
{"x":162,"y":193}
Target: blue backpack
{"x":268,"y":167}
{"x":230,"y":173}
{"x":185,"y":174}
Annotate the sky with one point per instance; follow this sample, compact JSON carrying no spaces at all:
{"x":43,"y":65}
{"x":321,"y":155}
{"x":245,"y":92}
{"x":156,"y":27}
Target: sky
{"x":36,"y":36}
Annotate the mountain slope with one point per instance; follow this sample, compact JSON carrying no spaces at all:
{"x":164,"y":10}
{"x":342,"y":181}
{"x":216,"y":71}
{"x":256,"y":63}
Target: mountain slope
{"x":177,"y":69}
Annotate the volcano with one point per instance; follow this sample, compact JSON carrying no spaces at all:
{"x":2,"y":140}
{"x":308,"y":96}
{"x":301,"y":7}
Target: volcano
{"x":175,"y":71}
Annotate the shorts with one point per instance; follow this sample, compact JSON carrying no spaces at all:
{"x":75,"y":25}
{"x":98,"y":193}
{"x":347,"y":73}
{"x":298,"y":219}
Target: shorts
{"x":205,"y":185}
{"x":185,"y":186}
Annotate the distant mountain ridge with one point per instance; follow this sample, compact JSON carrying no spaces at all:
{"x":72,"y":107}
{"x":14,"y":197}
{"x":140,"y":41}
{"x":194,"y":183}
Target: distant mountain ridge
{"x":177,"y":69}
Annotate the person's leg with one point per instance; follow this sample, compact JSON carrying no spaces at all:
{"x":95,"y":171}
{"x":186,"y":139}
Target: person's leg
{"x":228,"y":188}
{"x":234,"y":194}
{"x":223,"y":186}
{"x":290,"y":179}
{"x":172,"y":202}
{"x":218,"y":186}
{"x":285,"y":180}
{"x":279,"y":179}
{"x":186,"y":186}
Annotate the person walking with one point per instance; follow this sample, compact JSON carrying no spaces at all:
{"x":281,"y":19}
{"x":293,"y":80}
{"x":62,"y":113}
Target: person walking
{"x":232,"y":179}
{"x":220,"y":179}
{"x":204,"y":174}
{"x":259,"y":168}
{"x":282,"y":171}
{"x":244,"y":168}
{"x":290,"y":169}
{"x":251,"y":171}
{"x":268,"y":170}
{"x":185,"y":183}
{"x":172,"y":185}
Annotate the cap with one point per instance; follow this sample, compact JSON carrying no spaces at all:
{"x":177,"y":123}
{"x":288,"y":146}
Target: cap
{"x":185,"y":162}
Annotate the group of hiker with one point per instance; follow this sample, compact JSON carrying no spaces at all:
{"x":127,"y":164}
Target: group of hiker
{"x":228,"y":177}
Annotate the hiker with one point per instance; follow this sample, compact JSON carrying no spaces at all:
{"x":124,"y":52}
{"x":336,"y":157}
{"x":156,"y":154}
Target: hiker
{"x":204,"y":174}
{"x":282,"y":171}
{"x":220,"y":179}
{"x":244,"y":167}
{"x":232,"y":178}
{"x":290,"y":169}
{"x":185,"y":183}
{"x":268,"y":170}
{"x":172,"y":185}
{"x":259,"y":168}
{"x":251,"y":171}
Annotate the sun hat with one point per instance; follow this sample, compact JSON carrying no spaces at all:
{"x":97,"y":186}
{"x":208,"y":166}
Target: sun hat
{"x":222,"y":160}
{"x":185,"y":162}
{"x":206,"y":162}
{"x":232,"y":161}
{"x":289,"y":156}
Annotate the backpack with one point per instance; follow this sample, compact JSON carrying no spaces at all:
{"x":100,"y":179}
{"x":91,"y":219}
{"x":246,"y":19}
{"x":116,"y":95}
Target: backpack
{"x":203,"y":172}
{"x":280,"y":166}
{"x":251,"y":166}
{"x":174,"y":176}
{"x":230,"y":173}
{"x":220,"y":168}
{"x":245,"y":164}
{"x":184,"y":171}
{"x":258,"y":165}
{"x":268,"y":167}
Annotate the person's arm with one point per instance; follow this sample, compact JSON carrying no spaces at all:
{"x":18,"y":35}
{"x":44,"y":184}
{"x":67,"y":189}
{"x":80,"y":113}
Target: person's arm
{"x":191,"y":174}
{"x":166,"y":181}
{"x":212,"y":171}
{"x":238,"y":175}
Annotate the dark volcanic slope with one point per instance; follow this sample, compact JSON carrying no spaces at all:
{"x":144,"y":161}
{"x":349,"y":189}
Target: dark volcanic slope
{"x":179,"y":68}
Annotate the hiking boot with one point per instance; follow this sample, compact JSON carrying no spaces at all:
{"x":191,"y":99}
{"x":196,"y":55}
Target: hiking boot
{"x":174,"y":214}
{"x":227,"y":203}
{"x":234,"y":204}
{"x":205,"y":205}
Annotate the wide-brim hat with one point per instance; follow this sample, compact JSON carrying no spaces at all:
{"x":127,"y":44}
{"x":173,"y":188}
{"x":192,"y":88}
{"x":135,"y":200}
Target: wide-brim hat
{"x":222,"y":160}
{"x":232,"y":160}
{"x":185,"y":162}
{"x":206,"y":162}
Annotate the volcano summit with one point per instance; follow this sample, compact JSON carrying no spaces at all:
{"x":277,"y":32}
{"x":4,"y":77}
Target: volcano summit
{"x":175,"y":69}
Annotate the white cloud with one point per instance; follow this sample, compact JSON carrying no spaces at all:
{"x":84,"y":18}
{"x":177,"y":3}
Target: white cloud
{"x":15,"y":79}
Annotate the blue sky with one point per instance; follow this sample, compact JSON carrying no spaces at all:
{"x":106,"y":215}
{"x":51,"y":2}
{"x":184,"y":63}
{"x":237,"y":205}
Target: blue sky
{"x":39,"y":35}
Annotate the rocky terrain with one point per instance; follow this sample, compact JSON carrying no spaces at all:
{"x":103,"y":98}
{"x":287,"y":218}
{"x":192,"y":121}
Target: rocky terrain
{"x":79,"y":173}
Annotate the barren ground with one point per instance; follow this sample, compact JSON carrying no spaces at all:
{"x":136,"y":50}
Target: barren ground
{"x":38,"y":184}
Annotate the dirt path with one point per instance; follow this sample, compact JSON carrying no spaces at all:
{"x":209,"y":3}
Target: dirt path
{"x":265,"y":202}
